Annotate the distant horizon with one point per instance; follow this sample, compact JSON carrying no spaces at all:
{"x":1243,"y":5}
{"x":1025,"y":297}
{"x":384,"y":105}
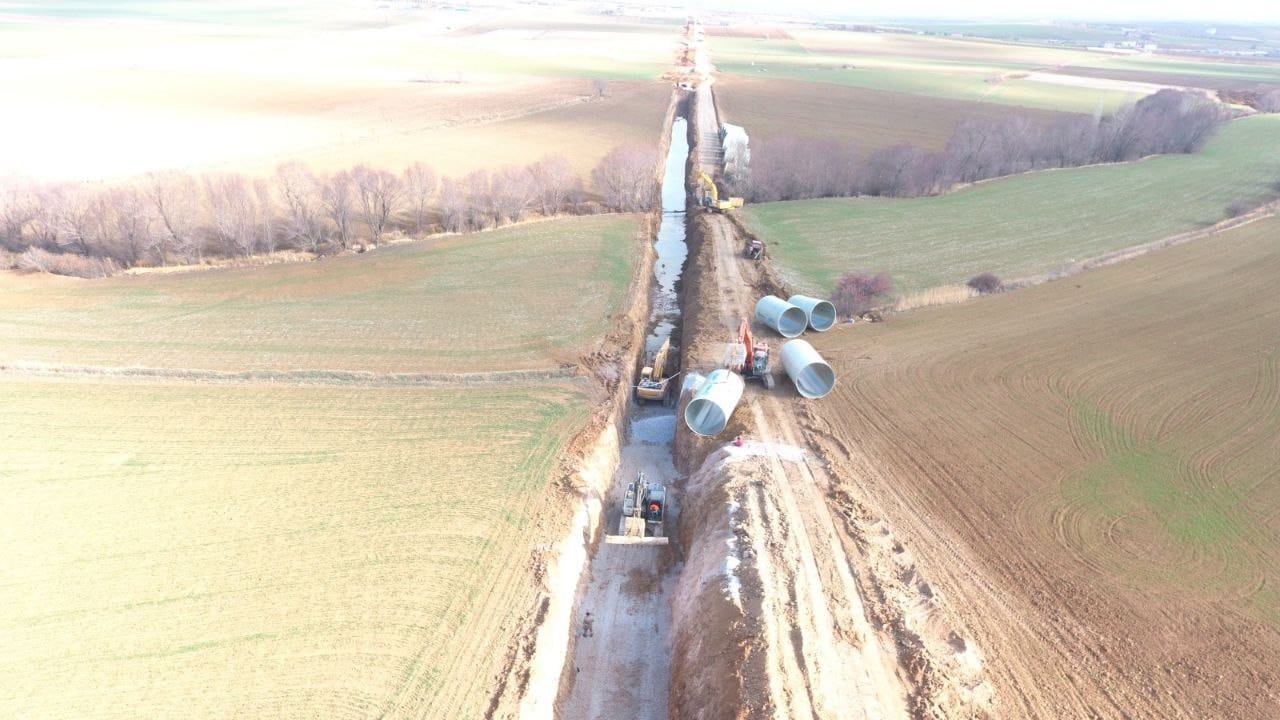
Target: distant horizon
{"x":1227,"y":12}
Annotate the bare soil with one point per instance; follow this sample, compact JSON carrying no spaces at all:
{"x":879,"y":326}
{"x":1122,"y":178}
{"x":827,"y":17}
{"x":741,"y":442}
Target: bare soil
{"x":874,"y":119}
{"x":1085,"y":471}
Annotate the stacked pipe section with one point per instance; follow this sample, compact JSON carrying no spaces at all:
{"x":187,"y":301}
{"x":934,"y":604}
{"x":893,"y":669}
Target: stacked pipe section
{"x":811,"y":375}
{"x":781,"y":315}
{"x":708,"y":412}
{"x":820,"y":314}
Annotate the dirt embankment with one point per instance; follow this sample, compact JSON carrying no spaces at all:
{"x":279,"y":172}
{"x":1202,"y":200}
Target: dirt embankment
{"x":796,"y":595}
{"x":717,"y":595}
{"x":717,"y":296}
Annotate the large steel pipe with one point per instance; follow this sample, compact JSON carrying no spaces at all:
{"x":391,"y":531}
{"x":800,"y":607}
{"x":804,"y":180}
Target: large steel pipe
{"x":812,"y":376}
{"x":708,"y":412}
{"x":822,"y":314}
{"x":781,"y":315}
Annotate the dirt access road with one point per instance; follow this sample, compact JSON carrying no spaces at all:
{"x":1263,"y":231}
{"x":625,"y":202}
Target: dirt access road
{"x":841,"y":624}
{"x":847,"y":624}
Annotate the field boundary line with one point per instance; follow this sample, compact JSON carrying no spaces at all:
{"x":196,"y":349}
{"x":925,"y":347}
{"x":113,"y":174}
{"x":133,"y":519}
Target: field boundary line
{"x":1116,"y":256}
{"x":315,"y":377}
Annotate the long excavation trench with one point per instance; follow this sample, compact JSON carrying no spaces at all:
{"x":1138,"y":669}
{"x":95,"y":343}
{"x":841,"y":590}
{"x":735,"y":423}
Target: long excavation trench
{"x":621,"y":657}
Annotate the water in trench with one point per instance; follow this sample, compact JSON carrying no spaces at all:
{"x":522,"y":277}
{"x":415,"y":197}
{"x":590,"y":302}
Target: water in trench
{"x":621,"y":661}
{"x":664,"y":302}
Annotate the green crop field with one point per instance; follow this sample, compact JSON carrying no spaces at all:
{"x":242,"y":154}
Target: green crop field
{"x":200,"y":551}
{"x":523,"y":297}
{"x":1023,"y":224}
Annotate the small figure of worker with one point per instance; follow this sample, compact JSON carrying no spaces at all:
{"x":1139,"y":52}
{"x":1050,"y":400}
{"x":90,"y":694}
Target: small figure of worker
{"x":738,"y":441}
{"x":588,"y":624}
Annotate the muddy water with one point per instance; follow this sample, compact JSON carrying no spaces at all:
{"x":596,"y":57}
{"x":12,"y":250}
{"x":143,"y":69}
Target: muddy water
{"x":664,"y":299}
{"x":621,"y":662}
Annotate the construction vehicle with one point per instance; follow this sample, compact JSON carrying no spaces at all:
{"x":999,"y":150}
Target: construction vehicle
{"x":755,"y":249}
{"x":748,"y":358}
{"x":644,"y":511}
{"x":711,"y":196}
{"x":655,"y":384}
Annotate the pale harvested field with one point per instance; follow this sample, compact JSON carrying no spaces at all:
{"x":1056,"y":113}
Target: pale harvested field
{"x":95,"y":98}
{"x":270,"y":552}
{"x":1087,"y":472}
{"x":519,"y":298}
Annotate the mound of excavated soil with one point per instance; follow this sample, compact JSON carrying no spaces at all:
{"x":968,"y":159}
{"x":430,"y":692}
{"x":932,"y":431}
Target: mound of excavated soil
{"x":716,"y":604}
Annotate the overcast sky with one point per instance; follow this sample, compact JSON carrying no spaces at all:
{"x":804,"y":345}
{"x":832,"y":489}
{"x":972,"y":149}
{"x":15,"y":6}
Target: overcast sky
{"x":1219,"y":10}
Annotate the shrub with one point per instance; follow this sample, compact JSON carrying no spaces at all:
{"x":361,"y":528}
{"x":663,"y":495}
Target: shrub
{"x":985,"y":283}
{"x":1236,"y":208}
{"x":39,"y":260}
{"x":858,"y":292}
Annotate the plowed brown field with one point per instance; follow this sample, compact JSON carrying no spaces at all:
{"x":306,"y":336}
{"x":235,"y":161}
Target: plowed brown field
{"x":1090,"y":473}
{"x":771,"y":108}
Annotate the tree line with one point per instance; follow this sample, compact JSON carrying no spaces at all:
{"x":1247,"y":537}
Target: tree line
{"x":179,"y":217}
{"x":1168,"y":121}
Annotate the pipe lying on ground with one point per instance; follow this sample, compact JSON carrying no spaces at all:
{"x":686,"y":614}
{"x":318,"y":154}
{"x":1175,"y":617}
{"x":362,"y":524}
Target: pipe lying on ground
{"x":708,"y":412}
{"x":822,"y":314}
{"x":781,"y":315}
{"x":812,"y":376}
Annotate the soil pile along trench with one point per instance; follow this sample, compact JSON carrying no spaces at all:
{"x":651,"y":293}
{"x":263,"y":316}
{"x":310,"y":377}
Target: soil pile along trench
{"x":621,"y":649}
{"x":796,"y":600}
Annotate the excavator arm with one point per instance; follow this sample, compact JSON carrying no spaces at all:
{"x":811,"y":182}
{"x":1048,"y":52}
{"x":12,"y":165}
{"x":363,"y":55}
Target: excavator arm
{"x":711,"y":188}
{"x":660,"y":361}
{"x":714,"y":193}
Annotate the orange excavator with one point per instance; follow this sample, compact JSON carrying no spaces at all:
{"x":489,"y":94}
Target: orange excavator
{"x":748,"y":358}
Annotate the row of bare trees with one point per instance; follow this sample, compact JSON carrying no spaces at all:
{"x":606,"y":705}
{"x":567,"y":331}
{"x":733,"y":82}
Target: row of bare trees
{"x":1169,"y":121}
{"x":180,"y":217}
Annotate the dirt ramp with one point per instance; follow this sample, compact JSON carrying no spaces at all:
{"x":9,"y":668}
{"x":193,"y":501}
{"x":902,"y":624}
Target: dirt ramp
{"x":716,"y":603}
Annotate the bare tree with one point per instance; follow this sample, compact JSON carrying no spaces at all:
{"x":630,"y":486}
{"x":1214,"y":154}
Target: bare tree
{"x":600,"y":87}
{"x":420,"y":185}
{"x":303,"y":217}
{"x":857,"y":292}
{"x":232,"y":211}
{"x":553,"y":180}
{"x":985,"y":283}
{"x":126,"y":225}
{"x":380,"y":195}
{"x":453,"y":205}
{"x":338,"y":198}
{"x":175,"y":197}
{"x":512,"y":193}
{"x":73,"y":213}
{"x":479,"y":203}
{"x":1170,"y":121}
{"x":627,"y":178}
{"x":1269,"y":102}
{"x":264,"y":215}
{"x":18,"y":207}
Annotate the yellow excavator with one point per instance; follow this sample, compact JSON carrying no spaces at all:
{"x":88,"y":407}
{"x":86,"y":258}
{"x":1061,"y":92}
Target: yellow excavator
{"x":655,"y":383}
{"x":711,"y":196}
